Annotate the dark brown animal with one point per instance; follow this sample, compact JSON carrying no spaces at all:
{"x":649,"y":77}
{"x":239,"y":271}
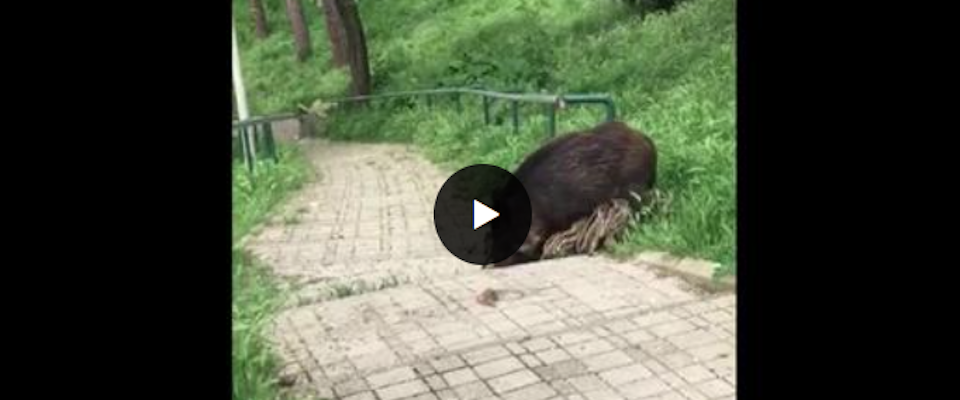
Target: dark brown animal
{"x":569,"y":177}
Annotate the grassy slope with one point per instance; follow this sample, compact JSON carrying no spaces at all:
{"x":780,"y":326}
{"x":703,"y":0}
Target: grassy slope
{"x":672,"y":76}
{"x":275,"y":82}
{"x":255,"y":297}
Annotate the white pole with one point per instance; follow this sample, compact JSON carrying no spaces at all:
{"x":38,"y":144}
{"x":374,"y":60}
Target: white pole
{"x":238,"y":87}
{"x":238,"y":79}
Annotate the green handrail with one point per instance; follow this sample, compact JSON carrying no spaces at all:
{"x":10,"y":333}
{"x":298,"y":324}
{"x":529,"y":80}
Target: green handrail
{"x":553,"y":101}
{"x":258,"y":132}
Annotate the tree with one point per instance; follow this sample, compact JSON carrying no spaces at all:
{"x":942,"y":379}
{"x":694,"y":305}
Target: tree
{"x":335,"y":33}
{"x":348,"y":41}
{"x":301,"y":35}
{"x":259,"y":19}
{"x":356,"y":48}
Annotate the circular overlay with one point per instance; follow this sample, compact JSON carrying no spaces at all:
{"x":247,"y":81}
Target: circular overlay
{"x":470,"y":198}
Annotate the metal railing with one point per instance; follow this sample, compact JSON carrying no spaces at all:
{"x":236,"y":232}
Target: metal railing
{"x":256,"y":134}
{"x":256,"y":137}
{"x":553,"y":102}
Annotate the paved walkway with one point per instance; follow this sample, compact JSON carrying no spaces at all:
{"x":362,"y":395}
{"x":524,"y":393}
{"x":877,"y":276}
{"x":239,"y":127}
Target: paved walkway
{"x":573,"y":328}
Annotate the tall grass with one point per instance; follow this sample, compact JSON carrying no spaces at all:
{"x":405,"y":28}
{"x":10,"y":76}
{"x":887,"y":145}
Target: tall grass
{"x":255,"y":296}
{"x":255,"y":196}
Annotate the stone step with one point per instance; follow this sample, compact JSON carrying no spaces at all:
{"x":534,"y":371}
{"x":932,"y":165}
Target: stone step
{"x":351,"y":339}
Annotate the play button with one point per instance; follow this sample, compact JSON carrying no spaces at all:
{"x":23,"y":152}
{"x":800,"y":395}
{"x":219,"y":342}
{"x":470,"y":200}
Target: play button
{"x":482,"y":214}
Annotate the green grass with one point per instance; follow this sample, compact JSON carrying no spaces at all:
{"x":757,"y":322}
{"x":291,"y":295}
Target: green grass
{"x":255,"y":295}
{"x":255,"y":299}
{"x":254,"y":197}
{"x":671,"y":74}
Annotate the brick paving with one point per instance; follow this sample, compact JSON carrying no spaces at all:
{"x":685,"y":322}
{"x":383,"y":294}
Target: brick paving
{"x":572,"y":328}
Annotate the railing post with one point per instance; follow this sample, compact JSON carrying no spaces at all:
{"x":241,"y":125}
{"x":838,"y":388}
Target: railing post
{"x":257,"y":131}
{"x":551,"y":120}
{"x":486,"y":110}
{"x":456,"y":99}
{"x":246,"y":141}
{"x":251,"y":145}
{"x":269,"y":142}
{"x":242,"y":146}
{"x":611,"y":110}
{"x":515,"y":109}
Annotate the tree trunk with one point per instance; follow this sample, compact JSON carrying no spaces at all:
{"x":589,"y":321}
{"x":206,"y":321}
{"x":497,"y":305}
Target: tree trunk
{"x":335,"y":33}
{"x":259,"y":19}
{"x":356,"y":47}
{"x":301,"y":35}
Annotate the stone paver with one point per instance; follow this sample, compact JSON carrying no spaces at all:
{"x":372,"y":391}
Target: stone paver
{"x":571,"y":328}
{"x":402,"y":390}
{"x":460,"y":376}
{"x":513,"y":380}
{"x":367,"y":219}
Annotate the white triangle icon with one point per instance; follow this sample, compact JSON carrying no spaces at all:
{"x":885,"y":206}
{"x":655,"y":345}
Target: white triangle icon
{"x":482,"y":214}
